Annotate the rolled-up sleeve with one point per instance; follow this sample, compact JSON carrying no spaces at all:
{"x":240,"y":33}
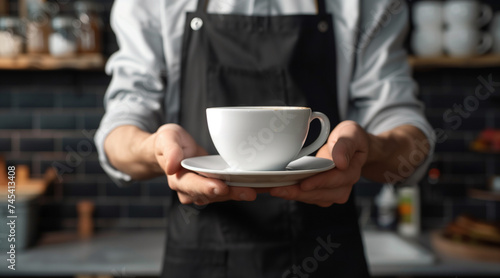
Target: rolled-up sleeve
{"x":136,"y":92}
{"x":383,"y":94}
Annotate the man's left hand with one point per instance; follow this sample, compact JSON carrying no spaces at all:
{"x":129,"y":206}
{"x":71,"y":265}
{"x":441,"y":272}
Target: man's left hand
{"x":347,"y":146}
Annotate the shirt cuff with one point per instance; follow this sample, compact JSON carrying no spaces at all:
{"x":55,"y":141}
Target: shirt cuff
{"x":105,"y":128}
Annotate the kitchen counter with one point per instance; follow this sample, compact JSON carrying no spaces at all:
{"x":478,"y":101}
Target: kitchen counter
{"x":121,"y":254}
{"x":127,"y":254}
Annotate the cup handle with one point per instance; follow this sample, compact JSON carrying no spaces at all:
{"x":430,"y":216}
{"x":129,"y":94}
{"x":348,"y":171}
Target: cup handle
{"x":486,"y":44}
{"x":325,"y":132}
{"x":486,"y":15}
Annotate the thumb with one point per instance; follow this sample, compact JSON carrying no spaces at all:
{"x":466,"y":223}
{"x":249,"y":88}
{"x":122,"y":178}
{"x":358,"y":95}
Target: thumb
{"x":173,"y":157}
{"x":175,"y":145}
{"x":342,"y":153}
{"x":169,"y":149}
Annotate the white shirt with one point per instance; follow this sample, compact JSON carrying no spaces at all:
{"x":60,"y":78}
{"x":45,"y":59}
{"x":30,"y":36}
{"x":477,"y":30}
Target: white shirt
{"x":375,"y":87}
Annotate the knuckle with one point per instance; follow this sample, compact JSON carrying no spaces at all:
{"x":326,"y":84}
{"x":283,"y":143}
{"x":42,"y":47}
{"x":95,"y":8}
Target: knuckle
{"x":343,"y":199}
{"x":326,"y":204}
{"x":185,"y":200}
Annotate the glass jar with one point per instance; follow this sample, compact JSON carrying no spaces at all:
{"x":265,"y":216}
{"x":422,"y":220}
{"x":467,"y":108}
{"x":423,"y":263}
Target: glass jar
{"x":38,"y":29}
{"x":63,"y":40}
{"x":89,"y":36}
{"x":11,"y":37}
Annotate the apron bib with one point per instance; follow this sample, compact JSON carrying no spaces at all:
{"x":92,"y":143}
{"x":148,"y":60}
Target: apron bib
{"x":234,"y":60}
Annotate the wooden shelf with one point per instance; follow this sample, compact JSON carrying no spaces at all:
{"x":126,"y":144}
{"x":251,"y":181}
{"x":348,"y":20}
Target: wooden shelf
{"x":47,"y":62}
{"x":484,"y":195}
{"x":455,"y":62}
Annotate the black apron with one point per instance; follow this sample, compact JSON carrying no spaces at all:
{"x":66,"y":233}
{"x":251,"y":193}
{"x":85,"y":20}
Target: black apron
{"x":230,"y":60}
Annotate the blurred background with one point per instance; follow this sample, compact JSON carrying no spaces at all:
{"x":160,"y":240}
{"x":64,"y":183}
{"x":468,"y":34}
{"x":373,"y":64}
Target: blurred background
{"x":73,"y":221}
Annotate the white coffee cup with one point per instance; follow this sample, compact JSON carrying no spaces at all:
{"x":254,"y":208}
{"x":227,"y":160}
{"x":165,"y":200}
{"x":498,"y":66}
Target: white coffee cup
{"x":428,"y":13}
{"x":466,"y":42}
{"x":467,"y":12}
{"x":263,"y":138}
{"x":427,"y":41}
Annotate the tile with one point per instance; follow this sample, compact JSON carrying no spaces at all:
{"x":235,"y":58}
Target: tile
{"x":158,"y":189}
{"x":62,"y":167}
{"x":36,"y":144}
{"x":16,"y":120}
{"x":107,"y":211}
{"x":77,"y":144}
{"x":93,"y":167}
{"x":93,"y":78}
{"x":468,"y":167}
{"x":57,"y":121}
{"x":80,"y":189}
{"x":133,"y":190}
{"x":92,"y":121}
{"x":452,"y":145}
{"x":34,"y":99}
{"x":73,"y":100}
{"x":5,"y":99}
{"x":474,"y":208}
{"x":58,"y":210}
{"x":5,"y":144}
{"x":432,"y":210}
{"x":146,"y":211}
{"x":453,"y":189}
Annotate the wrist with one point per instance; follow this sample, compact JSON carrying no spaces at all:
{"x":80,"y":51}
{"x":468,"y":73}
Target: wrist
{"x":379,"y":148}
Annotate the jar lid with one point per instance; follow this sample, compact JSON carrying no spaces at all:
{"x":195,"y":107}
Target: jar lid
{"x":9,"y":22}
{"x":85,"y":6}
{"x":63,"y":22}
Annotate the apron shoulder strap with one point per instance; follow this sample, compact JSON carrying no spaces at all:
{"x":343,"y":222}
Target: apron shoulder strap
{"x":202,"y":6}
{"x":320,"y":5}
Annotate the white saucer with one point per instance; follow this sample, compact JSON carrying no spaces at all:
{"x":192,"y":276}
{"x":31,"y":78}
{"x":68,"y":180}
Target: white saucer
{"x":213,"y":166}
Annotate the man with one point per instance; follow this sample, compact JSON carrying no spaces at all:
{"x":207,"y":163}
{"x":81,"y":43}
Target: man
{"x":343,"y":58}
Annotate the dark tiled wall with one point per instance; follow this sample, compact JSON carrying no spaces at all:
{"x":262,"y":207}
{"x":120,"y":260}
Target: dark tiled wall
{"x":461,"y":169}
{"x":48,"y":119}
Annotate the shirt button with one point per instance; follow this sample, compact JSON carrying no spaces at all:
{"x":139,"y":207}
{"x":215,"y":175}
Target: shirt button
{"x":196,"y":23}
{"x":323,"y":26}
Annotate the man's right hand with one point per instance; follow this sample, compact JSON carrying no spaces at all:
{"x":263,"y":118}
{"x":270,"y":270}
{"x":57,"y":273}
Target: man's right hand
{"x":143,"y":155}
{"x":172,"y":145}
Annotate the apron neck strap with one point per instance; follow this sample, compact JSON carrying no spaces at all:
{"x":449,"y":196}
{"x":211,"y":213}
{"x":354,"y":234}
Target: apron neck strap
{"x":320,"y":6}
{"x":202,"y":6}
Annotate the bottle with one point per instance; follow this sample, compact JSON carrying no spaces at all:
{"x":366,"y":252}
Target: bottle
{"x":63,"y":41}
{"x":11,"y":38}
{"x":386,"y":202}
{"x":38,"y":29}
{"x":409,"y":211}
{"x":89,"y":38}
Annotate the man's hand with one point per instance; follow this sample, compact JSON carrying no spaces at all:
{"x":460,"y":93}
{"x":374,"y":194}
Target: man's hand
{"x":348,"y":147}
{"x":355,"y":153}
{"x":172,"y":145}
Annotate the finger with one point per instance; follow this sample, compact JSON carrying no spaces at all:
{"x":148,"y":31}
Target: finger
{"x":169,"y":149}
{"x":176,"y":144}
{"x":335,"y":177}
{"x":193,"y":185}
{"x":324,"y":152}
{"x":329,"y":179}
{"x":342,"y":152}
{"x":238,"y":193}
